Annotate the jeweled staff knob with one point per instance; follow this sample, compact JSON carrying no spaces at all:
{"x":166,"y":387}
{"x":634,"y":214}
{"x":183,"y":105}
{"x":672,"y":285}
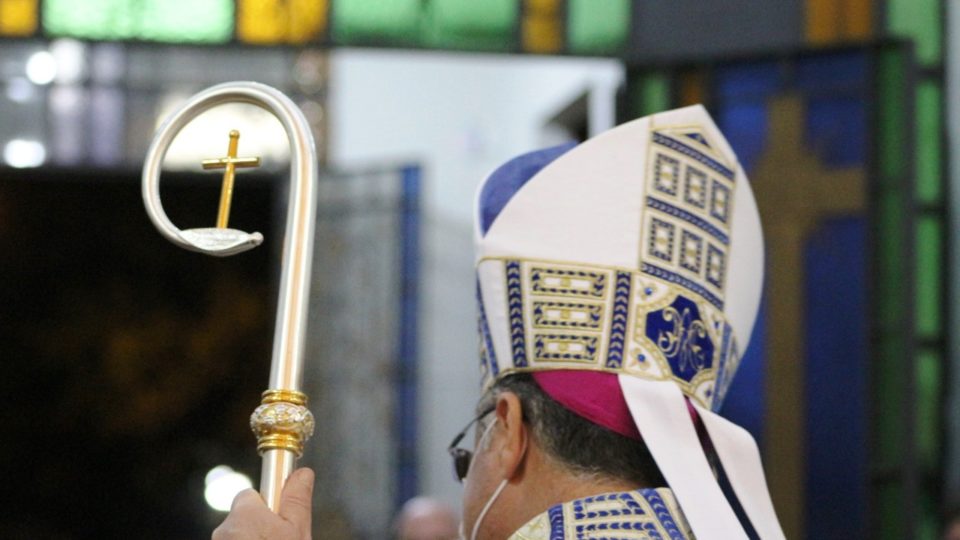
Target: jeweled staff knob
{"x":282,"y":421}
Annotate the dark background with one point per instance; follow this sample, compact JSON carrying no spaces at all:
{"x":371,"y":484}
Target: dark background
{"x":129,"y":366}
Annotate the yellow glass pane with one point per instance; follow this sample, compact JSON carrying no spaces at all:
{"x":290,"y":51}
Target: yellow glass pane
{"x":542,"y":34}
{"x":541,"y":29}
{"x":822,"y":18}
{"x":281,"y":21}
{"x":18,"y":17}
{"x":543,"y":7}
{"x":858,"y":19}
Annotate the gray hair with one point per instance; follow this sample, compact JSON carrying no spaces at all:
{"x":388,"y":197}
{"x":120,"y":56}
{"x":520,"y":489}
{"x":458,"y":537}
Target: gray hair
{"x":574,"y":442}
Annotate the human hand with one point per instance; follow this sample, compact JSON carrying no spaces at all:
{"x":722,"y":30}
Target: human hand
{"x":250,"y":519}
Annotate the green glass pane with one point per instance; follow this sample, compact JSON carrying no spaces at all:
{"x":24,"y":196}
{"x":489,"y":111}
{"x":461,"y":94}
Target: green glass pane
{"x":365,"y":20}
{"x":91,"y":19}
{"x":929,"y":137}
{"x":891,"y":265}
{"x":892,"y":126}
{"x":175,"y":21}
{"x":920,"y":21}
{"x":469,"y":24}
{"x":889,"y":392}
{"x":200,"y":21}
{"x":889,"y":512}
{"x":597,"y":26}
{"x":647,"y":93}
{"x":929,"y":375}
{"x":929,"y":253}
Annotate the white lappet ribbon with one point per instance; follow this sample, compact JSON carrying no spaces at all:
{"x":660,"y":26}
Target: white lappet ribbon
{"x":660,"y":412}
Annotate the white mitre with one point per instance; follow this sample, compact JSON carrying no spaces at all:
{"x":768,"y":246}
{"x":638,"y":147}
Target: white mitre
{"x":637,"y":253}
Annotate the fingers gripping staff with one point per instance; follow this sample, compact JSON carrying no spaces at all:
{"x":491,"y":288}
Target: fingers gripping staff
{"x":282,"y":423}
{"x":250,"y":519}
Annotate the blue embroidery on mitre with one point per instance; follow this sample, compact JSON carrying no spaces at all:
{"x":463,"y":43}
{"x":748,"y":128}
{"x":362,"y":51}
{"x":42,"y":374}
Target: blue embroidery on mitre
{"x":618,"y":323}
{"x":681,"y":334}
{"x":698,"y":137}
{"x":688,"y":217}
{"x":693,"y":286}
{"x":687,"y":150}
{"x":488,"y":356}
{"x":507,"y":180}
{"x":727,"y":367}
{"x":518,"y":344}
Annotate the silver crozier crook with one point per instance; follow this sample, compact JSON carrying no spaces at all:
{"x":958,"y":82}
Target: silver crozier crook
{"x":282,"y":422}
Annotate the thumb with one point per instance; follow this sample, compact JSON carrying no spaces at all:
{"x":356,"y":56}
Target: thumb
{"x":296,"y":500}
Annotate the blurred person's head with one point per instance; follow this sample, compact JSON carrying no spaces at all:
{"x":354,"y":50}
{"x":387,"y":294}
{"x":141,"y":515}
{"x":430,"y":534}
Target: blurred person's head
{"x":951,"y":531}
{"x":424,"y":518}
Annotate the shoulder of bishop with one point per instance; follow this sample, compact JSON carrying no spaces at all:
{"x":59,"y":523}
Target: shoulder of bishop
{"x":643,"y":513}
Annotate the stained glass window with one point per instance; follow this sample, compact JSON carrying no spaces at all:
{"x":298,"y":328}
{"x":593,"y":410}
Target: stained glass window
{"x":812,"y":110}
{"x":929,"y":251}
{"x":281,"y":21}
{"x":18,"y":17}
{"x":928,"y":126}
{"x":597,"y":27}
{"x":832,"y":21}
{"x":920,"y":21}
{"x":744,"y":91}
{"x":834,"y":86}
{"x":470,"y":24}
{"x":647,"y":92}
{"x":358,"y":20}
{"x":541,"y":26}
{"x":174,"y":21}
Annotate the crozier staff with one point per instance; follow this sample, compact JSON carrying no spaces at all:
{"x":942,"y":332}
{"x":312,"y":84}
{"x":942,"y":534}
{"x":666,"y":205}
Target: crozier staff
{"x":282,"y":423}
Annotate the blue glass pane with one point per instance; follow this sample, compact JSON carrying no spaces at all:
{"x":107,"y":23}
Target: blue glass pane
{"x":748,"y":81}
{"x":836,"y":379}
{"x":836,"y":129}
{"x":836,"y":119}
{"x":834,"y":71}
{"x":745,"y":404}
{"x":742,"y":91}
{"x":745,"y":125}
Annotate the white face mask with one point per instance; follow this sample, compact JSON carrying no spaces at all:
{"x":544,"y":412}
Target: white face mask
{"x":486,"y":508}
{"x":490,"y":501}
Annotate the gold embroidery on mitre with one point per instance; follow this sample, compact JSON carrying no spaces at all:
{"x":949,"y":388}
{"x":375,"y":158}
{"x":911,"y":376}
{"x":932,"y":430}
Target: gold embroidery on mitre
{"x":644,"y":326}
{"x":688,"y":211}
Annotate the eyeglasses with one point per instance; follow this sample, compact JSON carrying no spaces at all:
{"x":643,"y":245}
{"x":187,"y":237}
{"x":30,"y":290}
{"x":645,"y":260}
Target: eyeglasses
{"x":462,"y":456}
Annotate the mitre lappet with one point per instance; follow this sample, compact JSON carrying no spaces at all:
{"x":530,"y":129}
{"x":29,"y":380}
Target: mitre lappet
{"x":625,"y":274}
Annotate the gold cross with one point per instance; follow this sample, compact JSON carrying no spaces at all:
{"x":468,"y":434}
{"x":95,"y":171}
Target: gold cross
{"x":795,"y":193}
{"x":229,"y":163}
